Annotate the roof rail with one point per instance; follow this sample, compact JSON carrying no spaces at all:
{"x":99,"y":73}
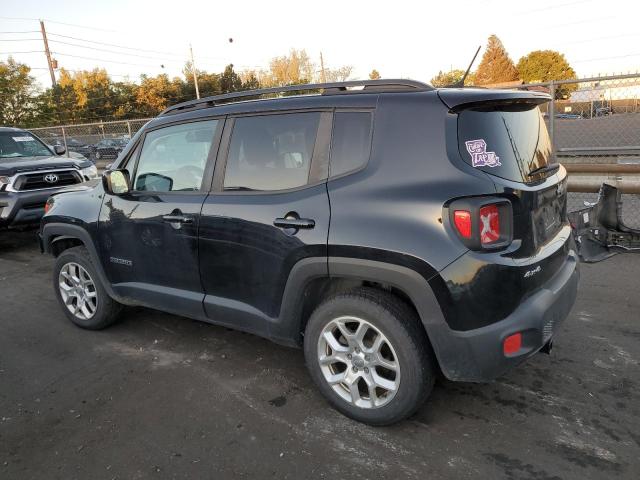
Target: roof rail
{"x":327,"y":89}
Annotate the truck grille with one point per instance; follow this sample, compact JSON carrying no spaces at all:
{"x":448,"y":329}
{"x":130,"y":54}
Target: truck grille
{"x":41,"y":180}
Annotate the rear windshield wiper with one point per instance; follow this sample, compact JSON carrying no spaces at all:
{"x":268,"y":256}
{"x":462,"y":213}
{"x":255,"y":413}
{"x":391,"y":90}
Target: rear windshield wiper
{"x":544,"y":169}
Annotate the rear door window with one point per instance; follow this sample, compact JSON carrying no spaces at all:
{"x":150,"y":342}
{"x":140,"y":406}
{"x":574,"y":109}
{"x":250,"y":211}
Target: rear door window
{"x":506,"y":141}
{"x":271,"y":152}
{"x":350,"y":142}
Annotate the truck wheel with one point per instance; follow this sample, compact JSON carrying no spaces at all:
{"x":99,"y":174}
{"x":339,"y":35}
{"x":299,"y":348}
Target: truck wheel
{"x":369,"y":355}
{"x":80,"y":292}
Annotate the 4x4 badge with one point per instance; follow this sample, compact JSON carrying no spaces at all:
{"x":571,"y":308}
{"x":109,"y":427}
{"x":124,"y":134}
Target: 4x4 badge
{"x":479,"y":155}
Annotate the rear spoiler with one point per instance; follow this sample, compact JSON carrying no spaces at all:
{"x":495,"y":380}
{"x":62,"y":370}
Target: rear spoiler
{"x":457,"y":99}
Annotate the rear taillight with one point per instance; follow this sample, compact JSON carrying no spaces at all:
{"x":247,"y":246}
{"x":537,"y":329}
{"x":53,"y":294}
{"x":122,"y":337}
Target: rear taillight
{"x":482,"y":223}
{"x":462,"y":221}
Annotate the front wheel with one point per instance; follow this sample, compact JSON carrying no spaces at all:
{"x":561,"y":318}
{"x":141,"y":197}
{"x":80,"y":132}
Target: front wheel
{"x":369,"y":355}
{"x":80,"y":292}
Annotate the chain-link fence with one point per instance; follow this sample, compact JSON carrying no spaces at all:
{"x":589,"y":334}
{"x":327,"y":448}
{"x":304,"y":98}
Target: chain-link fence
{"x":95,"y":141}
{"x":594,"y":124}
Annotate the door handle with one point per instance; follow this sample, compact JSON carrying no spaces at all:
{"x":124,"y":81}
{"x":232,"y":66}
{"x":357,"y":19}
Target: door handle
{"x":177,"y":219}
{"x":292,"y":222}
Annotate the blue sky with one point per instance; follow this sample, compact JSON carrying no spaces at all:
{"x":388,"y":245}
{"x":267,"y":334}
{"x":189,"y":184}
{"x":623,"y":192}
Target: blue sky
{"x":401,"y":39}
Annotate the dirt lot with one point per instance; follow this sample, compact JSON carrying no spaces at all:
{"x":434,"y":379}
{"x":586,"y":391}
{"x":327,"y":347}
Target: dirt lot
{"x":158,"y":396}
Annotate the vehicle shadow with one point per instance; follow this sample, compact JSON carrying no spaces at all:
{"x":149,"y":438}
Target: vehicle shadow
{"x":15,"y":240}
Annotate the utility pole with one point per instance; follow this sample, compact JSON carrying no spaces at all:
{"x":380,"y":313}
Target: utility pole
{"x":195,"y":75}
{"x":323,"y":77}
{"x":48,"y":53}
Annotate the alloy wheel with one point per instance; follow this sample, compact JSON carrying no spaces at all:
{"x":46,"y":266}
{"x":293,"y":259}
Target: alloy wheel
{"x":358,"y":362}
{"x":78,"y":291}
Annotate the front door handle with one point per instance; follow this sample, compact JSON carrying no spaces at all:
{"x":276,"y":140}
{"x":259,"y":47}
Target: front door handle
{"x":292,"y":222}
{"x":177,"y":218}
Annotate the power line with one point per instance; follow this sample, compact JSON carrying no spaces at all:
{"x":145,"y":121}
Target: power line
{"x":21,"y":31}
{"x":54,"y":41}
{"x":114,"y":45}
{"x":20,"y":39}
{"x":14,"y":53}
{"x":607,"y":58}
{"x":88,"y":27}
{"x":181,"y":55}
{"x":105,"y":61}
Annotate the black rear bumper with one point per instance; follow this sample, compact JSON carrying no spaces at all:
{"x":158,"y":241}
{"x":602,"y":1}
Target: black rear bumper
{"x":477,"y":355}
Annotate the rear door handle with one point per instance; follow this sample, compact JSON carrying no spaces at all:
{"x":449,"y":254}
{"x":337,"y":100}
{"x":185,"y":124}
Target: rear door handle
{"x":177,"y":219}
{"x":294,"y":223}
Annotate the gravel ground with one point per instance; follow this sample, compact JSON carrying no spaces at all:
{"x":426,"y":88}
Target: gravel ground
{"x":159,"y":396}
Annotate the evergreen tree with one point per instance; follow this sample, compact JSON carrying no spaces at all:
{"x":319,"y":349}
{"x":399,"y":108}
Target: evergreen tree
{"x":496,"y":66}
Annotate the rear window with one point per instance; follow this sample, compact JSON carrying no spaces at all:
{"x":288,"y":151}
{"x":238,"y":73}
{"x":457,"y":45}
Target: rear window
{"x":506,"y":141}
{"x":351,"y":142}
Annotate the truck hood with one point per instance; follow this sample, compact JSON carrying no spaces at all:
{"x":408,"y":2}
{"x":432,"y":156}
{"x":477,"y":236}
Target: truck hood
{"x":13,"y":165}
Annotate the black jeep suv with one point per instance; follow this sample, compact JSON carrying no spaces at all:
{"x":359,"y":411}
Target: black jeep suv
{"x":392,"y":229}
{"x":29,"y":172}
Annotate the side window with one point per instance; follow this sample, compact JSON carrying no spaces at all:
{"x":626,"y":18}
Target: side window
{"x":350,"y":142}
{"x":271,"y":152}
{"x":174,"y":158}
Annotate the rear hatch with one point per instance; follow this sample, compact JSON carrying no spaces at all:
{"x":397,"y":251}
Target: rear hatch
{"x":504,"y":134}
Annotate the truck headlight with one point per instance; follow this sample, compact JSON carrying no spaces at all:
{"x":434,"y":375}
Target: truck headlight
{"x":4,"y":181}
{"x":90,"y":173}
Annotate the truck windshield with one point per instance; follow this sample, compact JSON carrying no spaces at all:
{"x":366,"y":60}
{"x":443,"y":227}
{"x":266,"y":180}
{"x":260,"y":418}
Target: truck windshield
{"x":21,"y":144}
{"x":509,"y":141}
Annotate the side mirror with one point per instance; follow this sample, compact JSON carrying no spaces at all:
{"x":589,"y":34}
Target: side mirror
{"x":59,"y":149}
{"x":116,"y":182}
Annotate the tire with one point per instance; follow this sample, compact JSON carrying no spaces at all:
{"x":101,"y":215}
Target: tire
{"x":391,"y":336}
{"x":74,"y":268}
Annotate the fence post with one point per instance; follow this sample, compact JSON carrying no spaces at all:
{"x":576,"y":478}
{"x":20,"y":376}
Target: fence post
{"x":64,"y":139}
{"x":129,"y":128}
{"x":552,"y":116}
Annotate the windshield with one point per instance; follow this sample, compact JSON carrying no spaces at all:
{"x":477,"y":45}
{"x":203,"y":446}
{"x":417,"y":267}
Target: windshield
{"x":21,"y":144}
{"x":506,"y":141}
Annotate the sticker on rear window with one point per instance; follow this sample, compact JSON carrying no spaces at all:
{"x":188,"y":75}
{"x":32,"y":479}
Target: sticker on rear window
{"x":479,"y":155}
{"x":23,"y":139}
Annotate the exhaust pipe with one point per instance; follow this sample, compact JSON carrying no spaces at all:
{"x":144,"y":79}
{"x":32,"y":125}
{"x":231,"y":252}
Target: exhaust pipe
{"x":547,"y":347}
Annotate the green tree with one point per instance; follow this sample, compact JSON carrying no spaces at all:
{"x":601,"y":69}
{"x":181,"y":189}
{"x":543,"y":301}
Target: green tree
{"x":496,"y":65}
{"x":445,"y":79}
{"x":17,"y":92}
{"x":229,"y":80}
{"x":545,"y":65}
{"x":374,"y":75}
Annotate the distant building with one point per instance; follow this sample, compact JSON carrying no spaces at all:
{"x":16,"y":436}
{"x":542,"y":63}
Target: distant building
{"x":607,"y":91}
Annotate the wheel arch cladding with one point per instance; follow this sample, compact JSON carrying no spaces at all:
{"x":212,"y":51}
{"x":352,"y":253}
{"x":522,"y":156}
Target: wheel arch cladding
{"x":411,"y":284}
{"x":74,"y":235}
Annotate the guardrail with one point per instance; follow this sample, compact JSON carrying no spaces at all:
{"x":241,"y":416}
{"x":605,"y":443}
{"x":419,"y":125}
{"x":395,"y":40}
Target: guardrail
{"x":588,"y":177}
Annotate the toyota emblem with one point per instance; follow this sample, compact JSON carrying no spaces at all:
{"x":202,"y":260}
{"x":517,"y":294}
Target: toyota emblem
{"x":51,"y":178}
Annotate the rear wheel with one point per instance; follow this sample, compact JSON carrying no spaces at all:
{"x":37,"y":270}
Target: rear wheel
{"x":369,"y":355}
{"x":80,"y":293}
